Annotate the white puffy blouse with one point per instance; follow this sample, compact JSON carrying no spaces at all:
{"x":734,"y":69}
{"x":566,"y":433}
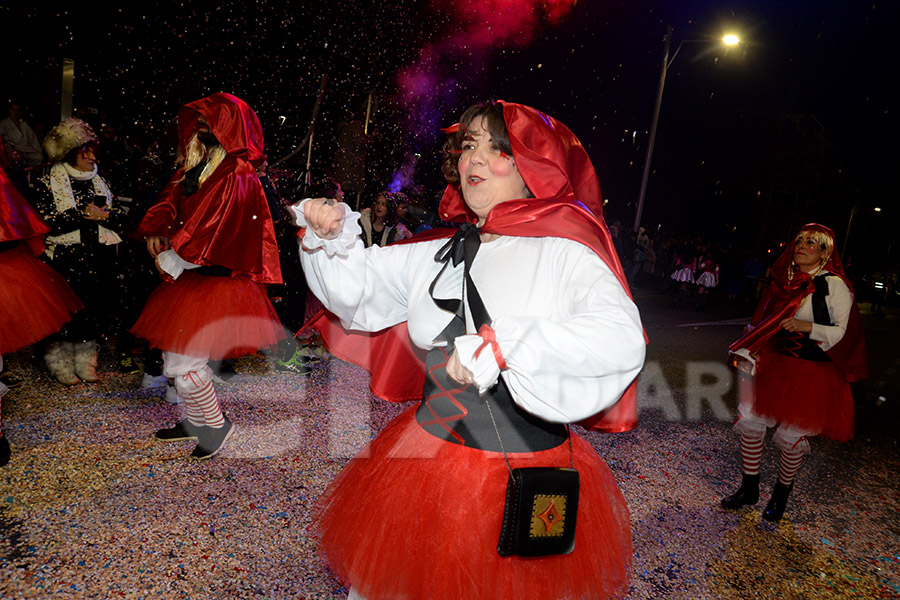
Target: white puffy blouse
{"x":570,"y":335}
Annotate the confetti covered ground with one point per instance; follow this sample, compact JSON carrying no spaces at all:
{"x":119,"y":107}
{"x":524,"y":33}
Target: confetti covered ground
{"x":91,"y":507}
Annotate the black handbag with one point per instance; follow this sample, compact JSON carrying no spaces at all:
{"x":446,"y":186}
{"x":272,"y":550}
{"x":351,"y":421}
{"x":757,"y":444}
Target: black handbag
{"x":541,"y":512}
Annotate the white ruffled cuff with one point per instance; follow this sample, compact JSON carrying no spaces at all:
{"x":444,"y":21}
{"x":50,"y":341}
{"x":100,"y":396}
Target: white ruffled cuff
{"x":339,"y":246}
{"x":484,"y":368}
{"x":745,"y":354}
{"x":174,"y":265}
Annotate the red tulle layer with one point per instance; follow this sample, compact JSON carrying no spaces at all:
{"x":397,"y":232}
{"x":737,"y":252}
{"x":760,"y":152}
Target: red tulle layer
{"x":214,"y":317}
{"x":414,"y":517}
{"x":807,"y":394}
{"x":35,"y":300}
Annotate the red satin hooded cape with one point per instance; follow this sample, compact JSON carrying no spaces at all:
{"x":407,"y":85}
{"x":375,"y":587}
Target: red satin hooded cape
{"x":18,"y":219}
{"x":226,"y":222}
{"x":782,"y":299}
{"x":567,"y":203}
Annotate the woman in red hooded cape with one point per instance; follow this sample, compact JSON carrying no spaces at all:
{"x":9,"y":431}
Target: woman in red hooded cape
{"x":542,"y":333}
{"x":804,"y":346}
{"x":213,"y":239}
{"x":35,"y":300}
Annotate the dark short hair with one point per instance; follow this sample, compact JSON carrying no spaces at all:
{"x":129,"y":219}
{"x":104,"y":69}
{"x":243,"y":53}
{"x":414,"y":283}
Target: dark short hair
{"x":492,"y":112}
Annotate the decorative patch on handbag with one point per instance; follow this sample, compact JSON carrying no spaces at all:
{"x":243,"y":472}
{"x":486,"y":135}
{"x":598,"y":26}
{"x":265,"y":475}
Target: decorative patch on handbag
{"x":540,"y":513}
{"x":548,"y":515}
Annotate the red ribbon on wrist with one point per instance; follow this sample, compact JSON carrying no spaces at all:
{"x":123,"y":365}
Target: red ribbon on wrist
{"x":489,"y":336}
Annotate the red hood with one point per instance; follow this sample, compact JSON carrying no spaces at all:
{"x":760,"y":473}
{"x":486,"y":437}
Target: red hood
{"x":551,"y":160}
{"x":230,"y":119}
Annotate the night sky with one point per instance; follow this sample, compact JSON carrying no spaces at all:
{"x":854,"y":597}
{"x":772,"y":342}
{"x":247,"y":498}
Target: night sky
{"x":592,"y":64}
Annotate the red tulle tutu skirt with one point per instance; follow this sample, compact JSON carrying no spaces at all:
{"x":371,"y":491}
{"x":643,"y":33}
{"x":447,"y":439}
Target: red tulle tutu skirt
{"x":414,"y":517}
{"x":213,"y":317}
{"x":35,"y":300}
{"x":810,"y":395}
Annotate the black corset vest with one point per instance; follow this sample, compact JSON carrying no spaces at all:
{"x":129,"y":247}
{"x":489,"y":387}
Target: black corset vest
{"x":456,"y":413}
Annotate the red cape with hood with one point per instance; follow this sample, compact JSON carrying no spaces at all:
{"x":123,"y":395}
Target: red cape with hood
{"x":18,"y":219}
{"x":567,"y":204}
{"x":782,"y":299}
{"x":226,"y":222}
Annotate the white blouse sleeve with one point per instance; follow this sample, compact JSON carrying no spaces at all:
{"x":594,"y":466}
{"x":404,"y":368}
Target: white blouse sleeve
{"x":839,"y":301}
{"x":367,"y":288}
{"x":572,"y":366}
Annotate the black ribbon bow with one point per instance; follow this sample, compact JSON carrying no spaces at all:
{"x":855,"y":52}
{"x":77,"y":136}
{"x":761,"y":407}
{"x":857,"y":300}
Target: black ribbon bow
{"x":462,"y":247}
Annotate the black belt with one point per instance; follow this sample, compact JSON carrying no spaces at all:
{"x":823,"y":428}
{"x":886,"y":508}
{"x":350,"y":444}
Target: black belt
{"x":212,"y":271}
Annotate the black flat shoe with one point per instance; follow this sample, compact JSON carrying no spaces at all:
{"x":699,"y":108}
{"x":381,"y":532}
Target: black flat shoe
{"x":183,"y":430}
{"x":211,"y":440}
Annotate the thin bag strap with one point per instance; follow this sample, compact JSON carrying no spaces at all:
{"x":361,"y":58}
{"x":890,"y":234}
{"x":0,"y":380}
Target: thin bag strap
{"x":506,"y":456}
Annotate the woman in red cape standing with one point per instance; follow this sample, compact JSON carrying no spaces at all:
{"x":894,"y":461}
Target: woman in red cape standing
{"x":804,"y":346}
{"x":35,"y":300}
{"x":214,"y":243}
{"x":554,"y":339}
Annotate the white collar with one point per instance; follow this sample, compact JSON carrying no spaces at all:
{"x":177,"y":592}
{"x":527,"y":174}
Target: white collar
{"x":78,"y":174}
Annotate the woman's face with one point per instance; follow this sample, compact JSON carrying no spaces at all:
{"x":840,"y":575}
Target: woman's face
{"x":402,"y":209}
{"x":85,"y":159}
{"x":488,"y":177}
{"x":808,"y":253}
{"x":380,"y":206}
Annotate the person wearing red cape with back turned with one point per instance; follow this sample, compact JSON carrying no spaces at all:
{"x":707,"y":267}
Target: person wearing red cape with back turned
{"x":212,"y":236}
{"x":528,"y":325}
{"x":804,"y":346}
{"x":35,"y":300}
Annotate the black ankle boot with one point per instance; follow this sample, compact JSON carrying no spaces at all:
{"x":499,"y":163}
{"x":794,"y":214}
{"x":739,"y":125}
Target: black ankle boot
{"x":4,"y":450}
{"x":746,"y":495}
{"x":775,"y":508}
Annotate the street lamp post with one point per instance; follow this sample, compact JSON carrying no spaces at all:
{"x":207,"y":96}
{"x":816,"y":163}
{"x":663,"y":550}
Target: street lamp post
{"x":659,"y":94}
{"x":853,"y":210}
{"x":729,"y":40}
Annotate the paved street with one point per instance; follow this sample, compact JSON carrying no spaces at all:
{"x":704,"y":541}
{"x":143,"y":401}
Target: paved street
{"x":91,"y":507}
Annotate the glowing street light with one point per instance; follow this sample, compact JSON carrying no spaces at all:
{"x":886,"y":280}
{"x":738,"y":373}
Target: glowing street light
{"x":729,"y":40}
